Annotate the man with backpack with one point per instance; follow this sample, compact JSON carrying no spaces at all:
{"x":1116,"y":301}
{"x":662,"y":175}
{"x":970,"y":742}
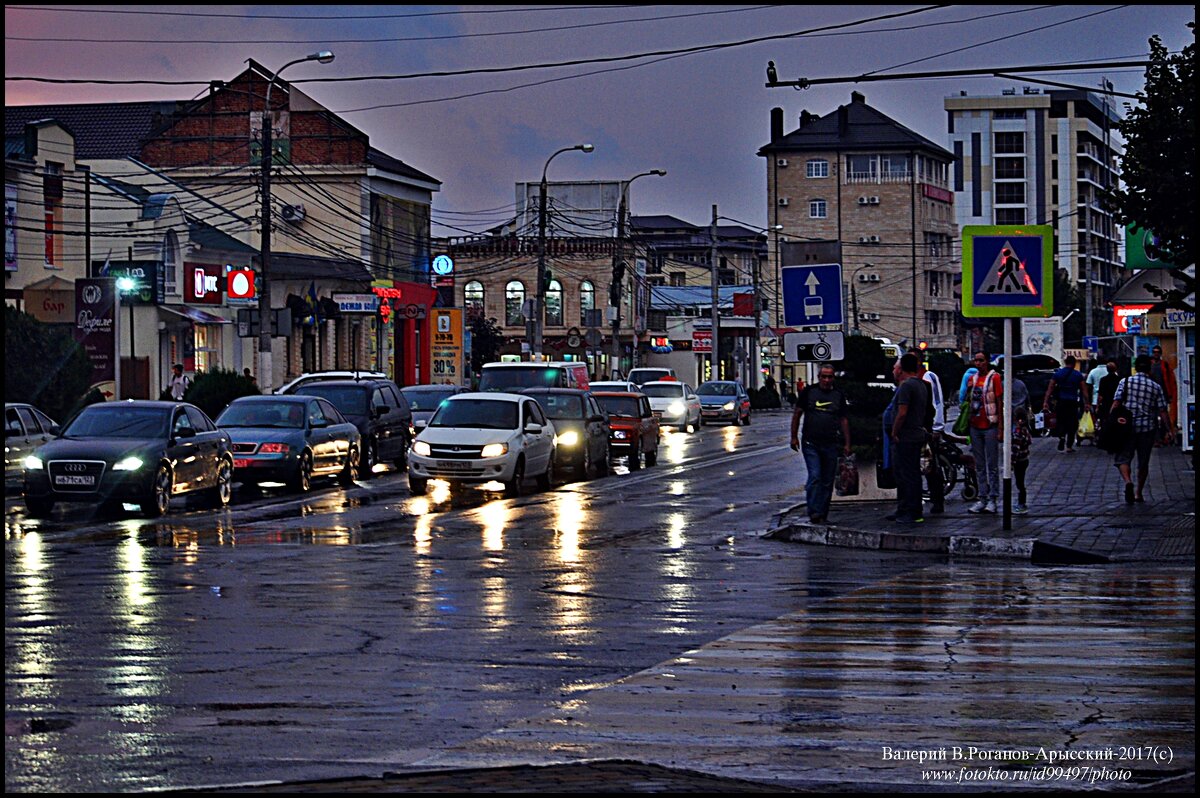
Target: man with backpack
{"x":1066,"y":386}
{"x":825,"y":408}
{"x":1148,"y":406}
{"x":179,"y":383}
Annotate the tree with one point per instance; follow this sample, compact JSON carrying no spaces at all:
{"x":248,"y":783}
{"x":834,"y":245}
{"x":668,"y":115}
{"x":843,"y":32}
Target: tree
{"x":1158,"y":171}
{"x":1068,"y":297}
{"x":486,"y":340}
{"x":43,"y":365}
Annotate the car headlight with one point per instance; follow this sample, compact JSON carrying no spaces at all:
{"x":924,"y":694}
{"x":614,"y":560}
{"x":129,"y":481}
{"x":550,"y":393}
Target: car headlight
{"x":620,"y":434}
{"x":494,"y":450}
{"x":568,"y":438}
{"x":129,"y":464}
{"x":728,"y":405}
{"x":421,"y":448}
{"x":675,"y":408}
{"x":33,"y":463}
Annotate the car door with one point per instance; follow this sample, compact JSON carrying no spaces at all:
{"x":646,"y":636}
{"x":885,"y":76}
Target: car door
{"x":693,"y":404}
{"x":383,"y":421}
{"x":320,"y":437}
{"x":184,"y":452}
{"x":208,"y":445}
{"x":339,"y":432}
{"x":596,"y":428}
{"x":539,"y":448}
{"x":648,"y":429}
{"x":16,"y":444}
{"x":401,"y":417}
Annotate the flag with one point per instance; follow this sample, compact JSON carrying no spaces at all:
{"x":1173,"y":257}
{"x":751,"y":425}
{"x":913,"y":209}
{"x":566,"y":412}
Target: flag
{"x":107,"y":264}
{"x":314,"y":305}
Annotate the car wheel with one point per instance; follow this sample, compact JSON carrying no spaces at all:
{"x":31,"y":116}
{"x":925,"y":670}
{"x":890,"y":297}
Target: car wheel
{"x":401,"y":462}
{"x":159,"y":499}
{"x":635,"y":456}
{"x":350,"y":471}
{"x":546,"y":480}
{"x":301,"y":481}
{"x":512,"y":488}
{"x":589,"y":467}
{"x":746,"y":421}
{"x":370,"y":456}
{"x":39,"y":508}
{"x":418,"y":486}
{"x":652,"y":455}
{"x":222,"y":492}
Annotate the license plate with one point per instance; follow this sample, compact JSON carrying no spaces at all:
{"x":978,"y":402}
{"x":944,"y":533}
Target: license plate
{"x":74,"y":480}
{"x":712,"y":412}
{"x":453,"y":465}
{"x":243,"y":463}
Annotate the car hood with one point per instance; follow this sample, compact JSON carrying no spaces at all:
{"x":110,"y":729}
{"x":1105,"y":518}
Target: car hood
{"x":661,"y":402}
{"x":465,"y":436}
{"x":108,"y":449}
{"x":715,"y":400}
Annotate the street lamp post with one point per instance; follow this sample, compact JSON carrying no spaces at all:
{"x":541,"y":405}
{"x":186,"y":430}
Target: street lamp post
{"x":539,"y":316}
{"x":619,"y":265}
{"x":265,"y":373}
{"x":126,"y":286}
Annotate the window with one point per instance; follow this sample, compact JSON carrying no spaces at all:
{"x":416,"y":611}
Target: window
{"x":1010,"y":168}
{"x":1008,"y":113}
{"x":587,"y":301}
{"x":198,"y":420}
{"x":554,"y":304}
{"x":817,"y":209}
{"x":315,"y":415}
{"x":861,"y":166}
{"x":1009,"y":143}
{"x":52,"y":194}
{"x":817,"y":167}
{"x":170,"y":262}
{"x":208,"y":346}
{"x":1010,"y":216}
{"x":514,"y":298}
{"x":894,"y":165}
{"x":1010,"y":194}
{"x":677,"y":278}
{"x":473,"y":298}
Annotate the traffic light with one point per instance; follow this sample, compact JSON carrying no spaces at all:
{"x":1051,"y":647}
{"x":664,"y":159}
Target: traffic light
{"x":923,"y":345}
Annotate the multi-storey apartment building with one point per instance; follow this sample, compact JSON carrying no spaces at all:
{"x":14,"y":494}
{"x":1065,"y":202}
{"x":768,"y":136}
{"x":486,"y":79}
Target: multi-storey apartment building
{"x":1042,"y":157}
{"x":857,"y":185}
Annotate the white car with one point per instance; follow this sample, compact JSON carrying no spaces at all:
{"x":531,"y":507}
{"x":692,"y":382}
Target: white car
{"x":645,"y":374}
{"x":675,"y":404}
{"x":322,"y":376}
{"x":475,"y":438}
{"x":620,"y":386}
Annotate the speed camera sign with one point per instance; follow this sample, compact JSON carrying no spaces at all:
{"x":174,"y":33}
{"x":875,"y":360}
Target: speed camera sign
{"x":813,"y":347}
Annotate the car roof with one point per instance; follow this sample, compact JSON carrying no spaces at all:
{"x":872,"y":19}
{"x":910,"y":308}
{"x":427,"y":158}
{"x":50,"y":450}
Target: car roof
{"x":677,"y":383}
{"x":368,"y":382}
{"x":527,"y":364}
{"x":563,"y":391}
{"x":276,"y":397}
{"x":500,"y":395}
{"x":432,"y":387}
{"x":618,"y":393}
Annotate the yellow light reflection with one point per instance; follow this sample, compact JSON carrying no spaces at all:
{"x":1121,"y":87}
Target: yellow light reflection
{"x":677,"y":488}
{"x":731,"y":435}
{"x":423,"y":534}
{"x":675,"y":527}
{"x":441,"y":491}
{"x":494,"y":516}
{"x":495,"y":603}
{"x":675,"y":443}
{"x":568,"y":521}
{"x":133,"y":570}
{"x":571,"y":617}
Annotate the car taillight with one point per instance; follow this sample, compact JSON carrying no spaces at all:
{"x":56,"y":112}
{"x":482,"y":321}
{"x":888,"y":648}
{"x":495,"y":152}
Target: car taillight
{"x":274,"y":448}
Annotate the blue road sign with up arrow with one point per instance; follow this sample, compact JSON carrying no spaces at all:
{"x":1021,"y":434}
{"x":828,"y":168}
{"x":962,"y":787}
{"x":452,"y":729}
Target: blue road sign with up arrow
{"x":812,"y":295}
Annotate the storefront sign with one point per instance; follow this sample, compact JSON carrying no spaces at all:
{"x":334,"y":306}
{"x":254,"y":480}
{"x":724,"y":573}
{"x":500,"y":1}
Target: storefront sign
{"x":142,"y":285}
{"x":202,"y":284}
{"x":1180,"y":318}
{"x":357,"y":303}
{"x":240,"y":286}
{"x":702,"y":341}
{"x":446,"y":346}
{"x":1127,"y":316}
{"x":96,"y":329}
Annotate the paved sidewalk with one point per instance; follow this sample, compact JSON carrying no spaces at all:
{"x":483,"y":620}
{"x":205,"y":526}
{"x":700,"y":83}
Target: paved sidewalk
{"x":1077,"y":514}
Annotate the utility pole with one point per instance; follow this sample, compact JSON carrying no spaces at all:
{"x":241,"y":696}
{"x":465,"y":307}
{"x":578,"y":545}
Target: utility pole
{"x":620,"y":265}
{"x":539,"y":315}
{"x":716,"y":321}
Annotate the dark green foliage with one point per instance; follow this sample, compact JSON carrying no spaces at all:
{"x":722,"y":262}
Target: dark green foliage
{"x":486,"y":340}
{"x":43,"y":365}
{"x":1067,"y":297}
{"x":763,"y":398}
{"x":866,"y":416}
{"x":864,"y":361}
{"x":950,"y":368}
{"x":214,"y":390}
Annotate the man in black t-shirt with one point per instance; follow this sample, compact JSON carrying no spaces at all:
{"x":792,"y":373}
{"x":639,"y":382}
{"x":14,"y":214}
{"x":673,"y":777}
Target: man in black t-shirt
{"x":825,"y":408}
{"x":908,"y":435}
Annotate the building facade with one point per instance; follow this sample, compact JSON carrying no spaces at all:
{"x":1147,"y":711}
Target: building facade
{"x":1043,"y":157}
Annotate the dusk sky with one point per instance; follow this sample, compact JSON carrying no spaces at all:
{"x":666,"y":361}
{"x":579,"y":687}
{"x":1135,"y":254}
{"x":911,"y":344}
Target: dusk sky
{"x":701,"y":116}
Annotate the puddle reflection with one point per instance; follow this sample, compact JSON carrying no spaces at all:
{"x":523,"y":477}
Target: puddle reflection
{"x":569,"y":515}
{"x":676,"y":442}
{"x":731,"y":434}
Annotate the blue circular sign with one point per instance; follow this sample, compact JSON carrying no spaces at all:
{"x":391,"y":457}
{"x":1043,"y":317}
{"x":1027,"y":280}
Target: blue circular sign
{"x":443,"y":264}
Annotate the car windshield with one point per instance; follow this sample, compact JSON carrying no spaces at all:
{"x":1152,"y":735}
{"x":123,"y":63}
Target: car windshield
{"x":351,"y":400}
{"x":642,"y":376}
{"x":286,"y":415}
{"x":717,"y":389}
{"x":514,"y":378}
{"x":476,"y":413}
{"x":663,"y":391}
{"x":426,"y":398}
{"x":120,"y":421}
{"x":561,"y":405}
{"x":620,"y":405}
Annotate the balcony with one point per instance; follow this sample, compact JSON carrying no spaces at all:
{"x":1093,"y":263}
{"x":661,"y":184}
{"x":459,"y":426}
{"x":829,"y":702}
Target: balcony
{"x":878,"y":178}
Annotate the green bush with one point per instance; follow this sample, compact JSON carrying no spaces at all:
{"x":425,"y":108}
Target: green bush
{"x":950,"y":368}
{"x":763,"y":398}
{"x":214,"y":390}
{"x":866,"y":406}
{"x":43,"y":365}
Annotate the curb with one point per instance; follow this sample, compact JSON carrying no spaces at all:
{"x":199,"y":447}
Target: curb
{"x":958,"y":545}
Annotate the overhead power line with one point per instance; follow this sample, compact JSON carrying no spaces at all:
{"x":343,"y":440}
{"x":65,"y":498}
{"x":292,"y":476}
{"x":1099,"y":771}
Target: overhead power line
{"x":295,"y":18}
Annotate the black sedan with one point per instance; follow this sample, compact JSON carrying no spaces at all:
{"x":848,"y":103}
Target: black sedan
{"x":581,"y":427}
{"x":139,"y":452}
{"x":290,"y":439}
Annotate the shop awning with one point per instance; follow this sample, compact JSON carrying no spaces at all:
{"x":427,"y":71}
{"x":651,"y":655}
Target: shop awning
{"x":194,"y":315}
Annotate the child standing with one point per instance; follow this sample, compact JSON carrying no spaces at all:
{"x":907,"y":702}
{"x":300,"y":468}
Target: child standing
{"x":1021,"y":442}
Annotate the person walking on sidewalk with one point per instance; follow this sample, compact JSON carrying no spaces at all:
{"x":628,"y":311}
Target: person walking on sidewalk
{"x":1066,"y":387}
{"x":908,"y":434}
{"x":1145,"y":400}
{"x":179,"y":383}
{"x":825,"y":407}
{"x":1162,"y":373}
{"x":937,"y":488}
{"x":1102,"y":401}
{"x":986,"y":429}
{"x":1022,"y":442}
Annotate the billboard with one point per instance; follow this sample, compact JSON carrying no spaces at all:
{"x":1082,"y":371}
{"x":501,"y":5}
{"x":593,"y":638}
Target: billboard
{"x":96,"y":329}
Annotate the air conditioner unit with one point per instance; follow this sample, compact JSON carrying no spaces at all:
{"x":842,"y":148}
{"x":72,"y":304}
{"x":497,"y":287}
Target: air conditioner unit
{"x":868,"y":316}
{"x":292,"y":213}
{"x":781,"y":163}
{"x":868,"y":239}
{"x":863,"y":200}
{"x":872,"y":278}
{"x":783,"y":202}
{"x":862,"y":278}
{"x":872,"y":200}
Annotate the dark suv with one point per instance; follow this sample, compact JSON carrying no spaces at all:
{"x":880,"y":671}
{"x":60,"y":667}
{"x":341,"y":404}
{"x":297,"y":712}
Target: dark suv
{"x":376,"y":407}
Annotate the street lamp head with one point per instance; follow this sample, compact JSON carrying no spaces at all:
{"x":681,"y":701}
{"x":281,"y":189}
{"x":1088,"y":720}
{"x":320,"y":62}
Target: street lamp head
{"x":125,"y":284}
{"x":324,"y":56}
{"x":585,"y":147}
{"x":659,"y":172}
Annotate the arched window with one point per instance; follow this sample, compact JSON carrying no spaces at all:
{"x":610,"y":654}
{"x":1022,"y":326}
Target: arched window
{"x":473,"y":298}
{"x":170,"y":263}
{"x":514,"y":298}
{"x":554,"y":304}
{"x":587,"y":301}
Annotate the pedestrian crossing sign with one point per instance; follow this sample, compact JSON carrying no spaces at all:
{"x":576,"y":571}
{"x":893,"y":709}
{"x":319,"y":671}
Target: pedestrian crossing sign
{"x":1008,"y":271}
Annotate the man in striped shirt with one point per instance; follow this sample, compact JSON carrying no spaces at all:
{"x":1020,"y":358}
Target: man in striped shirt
{"x":1146,"y":402}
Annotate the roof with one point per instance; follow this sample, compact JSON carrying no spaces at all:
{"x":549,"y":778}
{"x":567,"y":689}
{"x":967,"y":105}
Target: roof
{"x":853,"y":126}
{"x":313,"y":267}
{"x":102,"y":130}
{"x":210,"y":237}
{"x":382,"y":160}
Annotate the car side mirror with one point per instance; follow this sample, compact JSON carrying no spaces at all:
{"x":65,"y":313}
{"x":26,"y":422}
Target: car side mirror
{"x":185,"y":432}
{"x":381,"y":410}
{"x":595,"y":419}
{"x":319,"y":423}
{"x":55,"y":430}
{"x":533,"y":428}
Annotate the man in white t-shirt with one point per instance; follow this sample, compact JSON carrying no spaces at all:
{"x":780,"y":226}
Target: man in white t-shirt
{"x":937,"y":492}
{"x":1093,"y":381}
